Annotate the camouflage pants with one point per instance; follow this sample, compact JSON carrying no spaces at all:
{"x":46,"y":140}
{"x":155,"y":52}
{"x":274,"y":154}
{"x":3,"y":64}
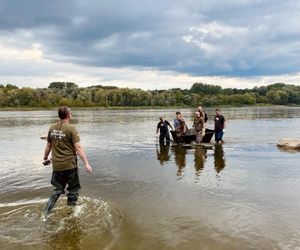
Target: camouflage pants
{"x":199,"y":136}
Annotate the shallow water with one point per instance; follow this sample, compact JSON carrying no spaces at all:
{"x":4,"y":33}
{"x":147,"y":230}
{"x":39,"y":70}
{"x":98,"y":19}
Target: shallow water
{"x":242,"y":195}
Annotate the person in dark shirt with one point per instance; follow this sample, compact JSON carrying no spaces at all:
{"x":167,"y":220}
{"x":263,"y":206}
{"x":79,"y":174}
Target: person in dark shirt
{"x":163,"y":129}
{"x":64,"y":142}
{"x":219,"y":126}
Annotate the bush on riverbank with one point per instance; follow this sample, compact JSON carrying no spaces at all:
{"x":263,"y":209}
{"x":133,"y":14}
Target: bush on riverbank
{"x":68,"y":93}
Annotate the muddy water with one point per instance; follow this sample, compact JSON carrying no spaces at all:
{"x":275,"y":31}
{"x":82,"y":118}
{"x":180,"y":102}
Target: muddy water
{"x":242,"y":195}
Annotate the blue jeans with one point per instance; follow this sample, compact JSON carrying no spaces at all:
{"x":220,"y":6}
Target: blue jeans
{"x":219,"y":135}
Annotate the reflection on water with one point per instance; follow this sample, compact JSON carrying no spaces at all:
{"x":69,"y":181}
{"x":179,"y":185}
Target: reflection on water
{"x":200,"y":156}
{"x":219,"y":158}
{"x":162,"y":152}
{"x":240,"y":195}
{"x":200,"y":159}
{"x":180,"y":158}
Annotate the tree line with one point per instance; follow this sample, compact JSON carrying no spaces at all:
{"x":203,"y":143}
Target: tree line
{"x":69,"y":93}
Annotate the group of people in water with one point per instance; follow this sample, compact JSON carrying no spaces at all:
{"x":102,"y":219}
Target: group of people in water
{"x":63,"y":142}
{"x":199,"y":126}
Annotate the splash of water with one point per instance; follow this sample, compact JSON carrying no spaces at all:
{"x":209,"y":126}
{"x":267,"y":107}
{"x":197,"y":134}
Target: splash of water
{"x":91,"y":222}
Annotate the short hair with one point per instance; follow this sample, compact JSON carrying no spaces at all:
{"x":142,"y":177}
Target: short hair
{"x":178,"y":113}
{"x":63,"y":112}
{"x":218,"y":110}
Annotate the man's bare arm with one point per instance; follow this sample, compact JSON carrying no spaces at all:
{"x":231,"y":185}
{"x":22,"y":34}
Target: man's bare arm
{"x":203,"y":127}
{"x":184,"y":129}
{"x":47,"y":150}
{"x":81,"y":153}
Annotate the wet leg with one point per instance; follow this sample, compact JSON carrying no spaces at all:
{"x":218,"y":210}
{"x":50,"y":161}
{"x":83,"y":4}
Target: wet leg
{"x":52,"y":200}
{"x":59,"y":182}
{"x":73,"y":188}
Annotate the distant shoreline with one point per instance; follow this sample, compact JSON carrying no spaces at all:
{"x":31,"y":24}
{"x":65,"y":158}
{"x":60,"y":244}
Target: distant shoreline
{"x":139,"y":107}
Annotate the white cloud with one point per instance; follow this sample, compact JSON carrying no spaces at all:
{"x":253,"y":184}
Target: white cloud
{"x":151,"y":45}
{"x":34,"y":53}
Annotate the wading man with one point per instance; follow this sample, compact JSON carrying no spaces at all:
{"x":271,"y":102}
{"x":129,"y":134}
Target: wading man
{"x":162,"y":128}
{"x":176,"y":120}
{"x":199,"y":126}
{"x":64,"y":142}
{"x":219,"y":126}
{"x":181,"y":129}
{"x":202,"y":114}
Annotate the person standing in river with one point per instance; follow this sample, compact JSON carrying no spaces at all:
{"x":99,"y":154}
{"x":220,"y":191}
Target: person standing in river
{"x":202,"y":114}
{"x":176,"y":120}
{"x":181,"y":129}
{"x":64,"y":142}
{"x":219,"y":126}
{"x":199,"y":126}
{"x":162,"y":128}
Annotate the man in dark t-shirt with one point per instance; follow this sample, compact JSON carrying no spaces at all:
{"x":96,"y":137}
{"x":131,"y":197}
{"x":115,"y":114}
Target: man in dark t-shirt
{"x":219,"y":126}
{"x":64,"y":142}
{"x":162,"y":128}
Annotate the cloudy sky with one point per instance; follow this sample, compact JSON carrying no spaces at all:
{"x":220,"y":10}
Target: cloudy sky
{"x":150,"y":44}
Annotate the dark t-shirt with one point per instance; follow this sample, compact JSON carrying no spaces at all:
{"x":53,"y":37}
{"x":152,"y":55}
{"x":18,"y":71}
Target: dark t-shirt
{"x":163,"y":127}
{"x":62,"y":137}
{"x":219,"y":122}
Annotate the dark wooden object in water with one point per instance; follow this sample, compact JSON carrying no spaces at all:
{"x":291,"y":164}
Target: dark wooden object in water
{"x":190,"y":136}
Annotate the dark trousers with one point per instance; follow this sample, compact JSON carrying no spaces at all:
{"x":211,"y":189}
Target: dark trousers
{"x":162,"y":137}
{"x":219,"y":135}
{"x":59,"y":180}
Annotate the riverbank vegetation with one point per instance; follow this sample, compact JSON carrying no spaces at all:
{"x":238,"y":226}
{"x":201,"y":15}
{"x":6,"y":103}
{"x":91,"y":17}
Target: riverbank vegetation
{"x":68,"y":93}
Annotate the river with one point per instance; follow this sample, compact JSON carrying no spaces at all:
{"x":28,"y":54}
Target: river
{"x":244,"y":194}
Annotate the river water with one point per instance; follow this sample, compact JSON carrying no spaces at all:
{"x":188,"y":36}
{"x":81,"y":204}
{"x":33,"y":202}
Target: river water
{"x":242,"y":195}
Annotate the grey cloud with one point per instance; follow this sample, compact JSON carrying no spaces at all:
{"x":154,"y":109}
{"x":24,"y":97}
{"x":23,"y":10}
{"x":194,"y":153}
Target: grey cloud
{"x":230,"y":38}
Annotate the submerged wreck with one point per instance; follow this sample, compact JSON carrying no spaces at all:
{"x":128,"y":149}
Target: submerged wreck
{"x":190,"y":136}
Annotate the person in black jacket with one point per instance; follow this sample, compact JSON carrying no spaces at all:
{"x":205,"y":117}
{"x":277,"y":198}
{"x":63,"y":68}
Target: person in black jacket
{"x":163,"y":129}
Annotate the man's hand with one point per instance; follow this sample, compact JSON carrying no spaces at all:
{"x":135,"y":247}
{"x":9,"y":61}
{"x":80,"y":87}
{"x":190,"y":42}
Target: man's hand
{"x":81,"y":153}
{"x":46,"y":162}
{"x":224,"y":130}
{"x":88,"y":168}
